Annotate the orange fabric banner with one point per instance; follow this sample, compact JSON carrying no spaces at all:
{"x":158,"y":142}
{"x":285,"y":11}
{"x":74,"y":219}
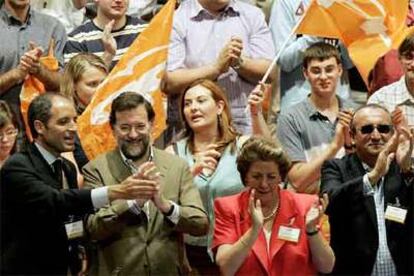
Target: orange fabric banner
{"x":139,"y":70}
{"x":32,"y":87}
{"x":368,"y":28}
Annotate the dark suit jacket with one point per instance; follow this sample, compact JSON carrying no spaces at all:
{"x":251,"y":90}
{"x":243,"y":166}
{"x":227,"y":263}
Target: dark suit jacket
{"x":352,"y":216}
{"x":33,"y":212}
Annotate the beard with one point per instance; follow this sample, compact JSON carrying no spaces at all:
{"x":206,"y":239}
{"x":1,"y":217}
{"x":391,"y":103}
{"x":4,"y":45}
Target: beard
{"x":135,"y":151}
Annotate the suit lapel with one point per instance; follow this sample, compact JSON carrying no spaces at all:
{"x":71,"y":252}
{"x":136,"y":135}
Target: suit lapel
{"x":41,"y":167}
{"x":358,"y":169}
{"x":155,"y":217}
{"x":119,"y":169}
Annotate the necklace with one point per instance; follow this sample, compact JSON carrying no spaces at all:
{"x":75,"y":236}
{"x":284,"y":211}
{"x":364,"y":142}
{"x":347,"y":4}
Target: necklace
{"x":272,"y":213}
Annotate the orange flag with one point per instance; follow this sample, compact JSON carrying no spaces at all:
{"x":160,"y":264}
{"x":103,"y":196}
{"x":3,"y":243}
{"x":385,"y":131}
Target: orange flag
{"x":32,"y":87}
{"x":368,"y":28}
{"x":139,"y":70}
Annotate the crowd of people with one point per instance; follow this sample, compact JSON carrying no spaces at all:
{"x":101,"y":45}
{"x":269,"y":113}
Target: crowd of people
{"x":283,"y":177}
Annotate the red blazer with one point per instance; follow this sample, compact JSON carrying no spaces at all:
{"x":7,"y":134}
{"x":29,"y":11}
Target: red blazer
{"x":284,"y":258}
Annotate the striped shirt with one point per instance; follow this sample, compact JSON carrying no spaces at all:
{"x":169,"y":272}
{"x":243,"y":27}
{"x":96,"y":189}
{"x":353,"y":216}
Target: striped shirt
{"x":87,"y":38}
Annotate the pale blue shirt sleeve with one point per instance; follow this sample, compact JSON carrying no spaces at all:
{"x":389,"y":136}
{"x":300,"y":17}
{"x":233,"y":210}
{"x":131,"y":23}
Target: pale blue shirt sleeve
{"x":282,"y":21}
{"x":99,"y":197}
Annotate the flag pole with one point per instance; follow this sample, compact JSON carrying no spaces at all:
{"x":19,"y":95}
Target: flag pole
{"x":282,"y":48}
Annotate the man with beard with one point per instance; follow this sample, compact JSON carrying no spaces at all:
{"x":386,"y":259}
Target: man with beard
{"x":39,"y":197}
{"x":142,"y":236}
{"x":371,"y":198}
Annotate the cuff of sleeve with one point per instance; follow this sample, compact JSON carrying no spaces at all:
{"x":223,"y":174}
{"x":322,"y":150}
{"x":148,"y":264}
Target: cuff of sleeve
{"x":99,"y":197}
{"x":367,"y":186}
{"x":175,"y":216}
{"x":133,"y":207}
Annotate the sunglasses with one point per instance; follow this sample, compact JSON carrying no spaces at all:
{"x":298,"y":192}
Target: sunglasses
{"x":383,"y":129}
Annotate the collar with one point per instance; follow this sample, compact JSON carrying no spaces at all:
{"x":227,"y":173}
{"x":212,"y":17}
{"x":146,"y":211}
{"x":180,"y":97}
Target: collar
{"x":7,"y":16}
{"x":50,"y":158}
{"x":313,"y":113}
{"x":197,"y":10}
{"x":405,"y":94}
{"x":130,"y":164}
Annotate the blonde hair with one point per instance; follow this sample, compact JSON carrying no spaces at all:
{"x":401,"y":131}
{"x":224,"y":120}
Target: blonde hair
{"x":73,"y":72}
{"x":227,"y":133}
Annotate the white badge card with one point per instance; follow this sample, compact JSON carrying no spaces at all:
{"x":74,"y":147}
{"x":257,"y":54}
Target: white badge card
{"x":74,"y":229}
{"x":396,"y":214}
{"x":288,"y":233}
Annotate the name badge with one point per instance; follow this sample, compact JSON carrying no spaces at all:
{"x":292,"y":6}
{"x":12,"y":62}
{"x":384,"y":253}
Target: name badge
{"x":395,"y":214}
{"x":74,"y":229}
{"x":288,"y":234}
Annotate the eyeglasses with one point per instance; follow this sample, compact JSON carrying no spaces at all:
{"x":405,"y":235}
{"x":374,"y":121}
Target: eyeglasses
{"x":382,"y":128}
{"x":9,"y":134}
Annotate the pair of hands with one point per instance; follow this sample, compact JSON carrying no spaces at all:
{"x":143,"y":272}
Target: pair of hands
{"x":400,"y":148}
{"x":144,"y":186}
{"x":30,"y":61}
{"x":312,"y":219}
{"x":343,"y":129}
{"x":230,"y":55}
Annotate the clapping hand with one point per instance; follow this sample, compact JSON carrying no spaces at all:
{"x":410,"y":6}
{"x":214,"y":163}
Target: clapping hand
{"x":255,"y":209}
{"x":316,"y":212}
{"x":108,"y":40}
{"x":30,"y":61}
{"x":405,"y":148}
{"x":230,"y":54}
{"x":206,"y":161}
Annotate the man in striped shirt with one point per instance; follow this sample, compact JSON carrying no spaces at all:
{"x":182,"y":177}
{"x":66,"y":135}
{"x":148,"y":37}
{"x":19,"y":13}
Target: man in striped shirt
{"x":108,"y":35}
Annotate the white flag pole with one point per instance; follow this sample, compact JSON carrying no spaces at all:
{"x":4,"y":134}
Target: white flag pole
{"x":282,"y":48}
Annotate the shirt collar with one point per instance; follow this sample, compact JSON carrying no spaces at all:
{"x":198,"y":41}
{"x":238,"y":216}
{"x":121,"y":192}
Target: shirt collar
{"x":405,"y":94}
{"x":7,"y":16}
{"x":49,"y":157}
{"x":130,"y":164}
{"x":197,"y":10}
{"x":311,"y":110}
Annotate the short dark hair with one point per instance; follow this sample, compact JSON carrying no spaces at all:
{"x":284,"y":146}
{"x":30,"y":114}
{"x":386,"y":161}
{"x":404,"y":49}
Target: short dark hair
{"x":407,"y":46}
{"x":261,"y":149}
{"x":371,"y":105}
{"x":128,"y":101}
{"x":40,"y":109}
{"x":320,"y":51}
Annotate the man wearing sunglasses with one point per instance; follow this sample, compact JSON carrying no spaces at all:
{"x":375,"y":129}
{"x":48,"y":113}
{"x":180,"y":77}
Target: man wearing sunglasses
{"x":371,"y":198}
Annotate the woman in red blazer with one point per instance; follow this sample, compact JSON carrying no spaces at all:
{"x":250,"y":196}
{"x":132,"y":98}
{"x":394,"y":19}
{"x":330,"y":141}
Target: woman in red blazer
{"x":265,"y":230}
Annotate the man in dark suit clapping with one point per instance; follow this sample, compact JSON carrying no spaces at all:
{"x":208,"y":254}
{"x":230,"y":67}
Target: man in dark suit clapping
{"x":39,"y":196}
{"x":371,"y":198}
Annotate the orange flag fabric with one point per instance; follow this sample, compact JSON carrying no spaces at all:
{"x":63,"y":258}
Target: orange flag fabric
{"x":32,"y":87}
{"x":368,"y":28}
{"x":139,"y":70}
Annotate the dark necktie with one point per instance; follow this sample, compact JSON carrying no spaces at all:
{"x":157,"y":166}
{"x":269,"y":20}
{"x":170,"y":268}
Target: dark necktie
{"x":57,"y":168}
